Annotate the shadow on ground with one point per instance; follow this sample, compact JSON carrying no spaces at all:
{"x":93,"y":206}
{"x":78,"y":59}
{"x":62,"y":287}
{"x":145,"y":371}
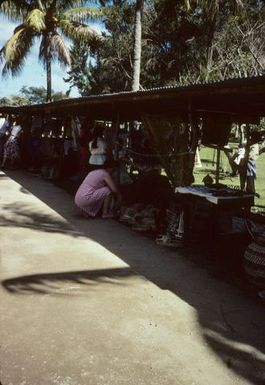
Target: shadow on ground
{"x":24,"y":215}
{"x":56,"y":283}
{"x":232,"y":323}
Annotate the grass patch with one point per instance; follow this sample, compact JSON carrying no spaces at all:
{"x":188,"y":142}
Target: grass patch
{"x":208,"y":159}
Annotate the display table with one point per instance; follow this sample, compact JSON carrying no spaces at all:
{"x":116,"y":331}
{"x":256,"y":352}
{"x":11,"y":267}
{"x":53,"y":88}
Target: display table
{"x":223,"y":196}
{"x":209,"y":210}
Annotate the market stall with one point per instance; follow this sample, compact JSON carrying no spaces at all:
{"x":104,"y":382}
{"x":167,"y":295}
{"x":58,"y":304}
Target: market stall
{"x":170,"y":122}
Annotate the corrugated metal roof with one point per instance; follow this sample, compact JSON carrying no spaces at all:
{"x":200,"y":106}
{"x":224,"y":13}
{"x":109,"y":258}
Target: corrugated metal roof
{"x":234,"y":95}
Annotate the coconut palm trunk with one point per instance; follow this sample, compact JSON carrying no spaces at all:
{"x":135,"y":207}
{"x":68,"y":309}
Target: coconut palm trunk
{"x":137,"y":45}
{"x":49,"y":79}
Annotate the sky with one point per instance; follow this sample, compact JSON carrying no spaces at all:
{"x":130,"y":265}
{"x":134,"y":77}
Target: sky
{"x":33,"y":73}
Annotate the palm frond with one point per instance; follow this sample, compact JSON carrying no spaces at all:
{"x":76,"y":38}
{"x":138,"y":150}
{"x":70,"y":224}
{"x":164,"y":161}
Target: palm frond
{"x":83,"y":14}
{"x":15,"y":51}
{"x":60,"y":50}
{"x":15,"y":10}
{"x":36,"y":20}
{"x":68,"y":4}
{"x":78,"y":31}
{"x":45,"y":50}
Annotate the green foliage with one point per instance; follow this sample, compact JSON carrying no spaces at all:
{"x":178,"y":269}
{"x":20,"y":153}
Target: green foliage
{"x":59,"y":96}
{"x":112,"y":71}
{"x":34,"y":95}
{"x":181,"y":43}
{"x":207,"y":42}
{"x":30,"y":95}
{"x":15,"y":100}
{"x":109,"y":68}
{"x":78,"y":76}
{"x":37,"y":95}
{"x":5,"y":101}
{"x":111,"y":65}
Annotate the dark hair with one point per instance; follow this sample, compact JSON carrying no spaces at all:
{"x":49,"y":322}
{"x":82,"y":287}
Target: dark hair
{"x":87,"y":124}
{"x":110,"y":163}
{"x":256,"y":136}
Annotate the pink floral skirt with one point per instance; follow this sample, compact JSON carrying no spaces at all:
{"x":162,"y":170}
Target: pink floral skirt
{"x":92,"y":202}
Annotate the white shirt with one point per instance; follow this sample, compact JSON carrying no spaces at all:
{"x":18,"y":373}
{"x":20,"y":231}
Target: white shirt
{"x":16,"y":130}
{"x":254,"y":151}
{"x":3,"y":125}
{"x":98,"y":155}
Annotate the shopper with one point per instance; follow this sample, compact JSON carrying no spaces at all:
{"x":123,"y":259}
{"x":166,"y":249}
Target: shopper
{"x":98,"y":194}
{"x":98,"y":148}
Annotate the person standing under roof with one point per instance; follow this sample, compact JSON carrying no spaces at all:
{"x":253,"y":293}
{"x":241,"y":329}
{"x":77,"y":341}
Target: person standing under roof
{"x":4,"y":125}
{"x":98,"y":148}
{"x":11,"y":148}
{"x":247,"y":167}
{"x":85,"y":138}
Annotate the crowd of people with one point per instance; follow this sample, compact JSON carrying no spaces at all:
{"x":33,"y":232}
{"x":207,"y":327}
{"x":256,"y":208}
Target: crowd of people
{"x":43,"y":145}
{"x":109,"y":176}
{"x":105,"y":174}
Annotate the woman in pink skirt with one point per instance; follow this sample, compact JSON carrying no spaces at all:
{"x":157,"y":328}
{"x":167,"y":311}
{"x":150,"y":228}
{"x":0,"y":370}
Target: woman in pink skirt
{"x":98,"y":193}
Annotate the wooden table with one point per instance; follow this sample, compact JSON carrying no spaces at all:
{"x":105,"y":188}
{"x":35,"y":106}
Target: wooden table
{"x":214,"y":205}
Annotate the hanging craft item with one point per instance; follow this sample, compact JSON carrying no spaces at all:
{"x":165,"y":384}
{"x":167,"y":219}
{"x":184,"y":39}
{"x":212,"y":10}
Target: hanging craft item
{"x":172,"y":136}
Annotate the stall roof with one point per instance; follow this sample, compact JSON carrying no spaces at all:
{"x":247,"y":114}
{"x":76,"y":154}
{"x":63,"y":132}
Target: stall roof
{"x":242,"y":96}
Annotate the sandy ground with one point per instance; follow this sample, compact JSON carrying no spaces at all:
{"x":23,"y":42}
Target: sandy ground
{"x":91,"y":302}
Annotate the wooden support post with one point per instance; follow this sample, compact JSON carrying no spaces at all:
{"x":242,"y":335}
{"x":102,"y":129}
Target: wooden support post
{"x":116,"y":124}
{"x":217,"y":166}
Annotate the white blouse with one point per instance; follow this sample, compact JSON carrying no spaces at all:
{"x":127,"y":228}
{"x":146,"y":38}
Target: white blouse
{"x":98,"y":155}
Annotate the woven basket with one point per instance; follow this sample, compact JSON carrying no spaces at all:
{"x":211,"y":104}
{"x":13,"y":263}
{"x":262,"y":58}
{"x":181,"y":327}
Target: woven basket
{"x":254,"y":262}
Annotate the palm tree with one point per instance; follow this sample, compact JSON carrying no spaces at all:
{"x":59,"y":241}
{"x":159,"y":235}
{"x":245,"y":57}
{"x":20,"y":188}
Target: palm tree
{"x":211,"y":7}
{"x":51,"y":21}
{"x":137,"y":45}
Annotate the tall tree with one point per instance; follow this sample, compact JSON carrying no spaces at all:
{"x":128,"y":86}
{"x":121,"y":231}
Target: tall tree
{"x":198,"y":42}
{"x":111,"y":61}
{"x":137,"y":45}
{"x":51,"y":21}
{"x":79,"y":73}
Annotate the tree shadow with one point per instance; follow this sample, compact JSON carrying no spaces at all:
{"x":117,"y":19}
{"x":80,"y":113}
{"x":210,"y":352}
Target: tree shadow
{"x":24,"y":215}
{"x":61,"y":284}
{"x":232,"y":323}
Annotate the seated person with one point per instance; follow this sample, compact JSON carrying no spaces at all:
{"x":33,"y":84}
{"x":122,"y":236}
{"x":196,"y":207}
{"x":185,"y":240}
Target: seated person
{"x":98,"y":194}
